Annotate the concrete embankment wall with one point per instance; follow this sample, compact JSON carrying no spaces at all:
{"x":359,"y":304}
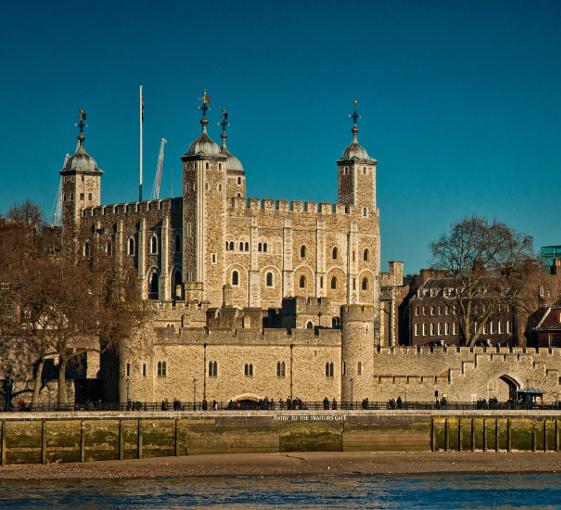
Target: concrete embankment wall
{"x":83,"y":437}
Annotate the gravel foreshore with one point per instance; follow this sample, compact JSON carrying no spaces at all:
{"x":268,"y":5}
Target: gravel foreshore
{"x":263,"y":464}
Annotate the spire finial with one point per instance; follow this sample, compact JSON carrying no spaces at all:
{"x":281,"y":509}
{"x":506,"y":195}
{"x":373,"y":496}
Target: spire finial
{"x":81,"y":124}
{"x":205,"y":100}
{"x":224,"y":123}
{"x":355,"y":116}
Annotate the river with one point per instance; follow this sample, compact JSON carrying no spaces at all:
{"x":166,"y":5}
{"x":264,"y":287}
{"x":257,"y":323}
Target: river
{"x":436,"y":491}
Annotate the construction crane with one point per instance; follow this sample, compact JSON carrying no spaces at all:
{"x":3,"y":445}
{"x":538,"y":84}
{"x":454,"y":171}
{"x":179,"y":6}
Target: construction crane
{"x":56,"y":210}
{"x":158,"y":177}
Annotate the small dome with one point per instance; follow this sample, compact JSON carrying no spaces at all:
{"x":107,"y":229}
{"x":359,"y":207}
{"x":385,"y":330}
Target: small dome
{"x":203,"y":146}
{"x":355,"y":150}
{"x":232,"y":163}
{"x":81,"y":161}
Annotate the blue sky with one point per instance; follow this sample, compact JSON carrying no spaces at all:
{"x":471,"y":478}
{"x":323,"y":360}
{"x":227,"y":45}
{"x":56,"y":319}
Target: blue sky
{"x":460,"y":102}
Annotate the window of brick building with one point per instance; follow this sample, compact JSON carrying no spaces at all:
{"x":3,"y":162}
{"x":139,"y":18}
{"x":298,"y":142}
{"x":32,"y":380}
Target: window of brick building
{"x":303,"y":251}
{"x":281,"y":369}
{"x":269,"y":279}
{"x":235,"y":278}
{"x":130,"y":247}
{"x":335,"y":253}
{"x":154,"y":245}
{"x":302,"y":282}
{"x":365,"y":283}
{"x":162,"y":369}
{"x":333,"y":282}
{"x":248,"y":370}
{"x":366,"y":255}
{"x":329,"y":369}
{"x":144,"y":369}
{"x":359,"y":368}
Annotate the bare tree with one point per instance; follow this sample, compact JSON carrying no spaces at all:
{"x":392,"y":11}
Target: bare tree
{"x":70,"y":302}
{"x":488,"y":265}
{"x":26,"y":214}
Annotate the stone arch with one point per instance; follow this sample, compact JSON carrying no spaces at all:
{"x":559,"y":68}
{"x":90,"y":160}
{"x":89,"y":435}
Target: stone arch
{"x":176,"y":278}
{"x":366,"y":295}
{"x":153,"y":283}
{"x":308,"y":274}
{"x":336,"y":284}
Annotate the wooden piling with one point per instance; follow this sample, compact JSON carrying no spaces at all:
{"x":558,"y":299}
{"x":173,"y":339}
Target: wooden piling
{"x":82,"y":442}
{"x":139,"y":439}
{"x":3,"y":444}
{"x":43,"y":443}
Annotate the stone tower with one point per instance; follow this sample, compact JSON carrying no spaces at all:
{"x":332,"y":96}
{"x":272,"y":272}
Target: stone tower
{"x":357,"y":351}
{"x":357,"y":174}
{"x":204,"y":215}
{"x":81,"y":181}
{"x":235,"y":174}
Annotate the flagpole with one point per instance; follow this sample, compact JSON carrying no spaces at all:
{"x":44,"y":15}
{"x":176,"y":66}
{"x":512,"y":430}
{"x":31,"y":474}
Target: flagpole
{"x":141,"y":120}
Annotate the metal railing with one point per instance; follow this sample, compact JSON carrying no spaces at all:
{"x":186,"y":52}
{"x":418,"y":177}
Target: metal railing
{"x":266,"y":405}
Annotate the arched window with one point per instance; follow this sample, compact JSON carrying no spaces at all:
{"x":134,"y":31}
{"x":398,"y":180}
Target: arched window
{"x":231,"y":245}
{"x":235,"y":279}
{"x":89,"y":196}
{"x":365,"y":212}
{"x":303,"y":251}
{"x":153,"y":286}
{"x":130,"y":246}
{"x":321,"y":282}
{"x":259,"y":247}
{"x":246,"y":246}
{"x":302,"y":282}
{"x":239,"y":181}
{"x":335,"y":253}
{"x":248,"y":370}
{"x":162,"y":369}
{"x":241,"y":246}
{"x":206,"y":166}
{"x":333,"y":282}
{"x":212,"y":369}
{"x":269,"y":279}
{"x":81,"y":196}
{"x":309,"y":325}
{"x":335,"y":322}
{"x":265,"y":247}
{"x":239,"y":195}
{"x":366,"y":254}
{"x":365,"y":283}
{"x":227,"y":246}
{"x":219,"y":166}
{"x":176,"y":291}
{"x":108,"y":248}
{"x":177,"y":243}
{"x":154,"y":245}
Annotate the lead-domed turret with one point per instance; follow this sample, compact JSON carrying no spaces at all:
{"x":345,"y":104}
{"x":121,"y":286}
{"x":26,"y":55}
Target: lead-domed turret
{"x":355,"y":150}
{"x":204,"y":145}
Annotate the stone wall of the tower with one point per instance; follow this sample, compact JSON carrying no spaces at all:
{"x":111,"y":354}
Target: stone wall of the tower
{"x":357,"y":351}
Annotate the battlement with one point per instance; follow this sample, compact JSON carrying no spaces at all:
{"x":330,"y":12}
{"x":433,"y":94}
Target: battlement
{"x":358,"y":313}
{"x":266,"y":336}
{"x":165,"y":204}
{"x":297,"y":206}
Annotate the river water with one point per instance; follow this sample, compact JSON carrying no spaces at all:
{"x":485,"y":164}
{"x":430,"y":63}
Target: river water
{"x":502,"y":491}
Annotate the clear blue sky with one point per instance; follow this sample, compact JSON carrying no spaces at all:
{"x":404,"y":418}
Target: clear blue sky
{"x":460,"y":101}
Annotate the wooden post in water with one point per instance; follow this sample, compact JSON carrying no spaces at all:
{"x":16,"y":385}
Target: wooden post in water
{"x":472,"y":435}
{"x":545,"y":435}
{"x":121,"y":441}
{"x":176,"y":434}
{"x":139,"y":438}
{"x":43,"y":443}
{"x":496,"y":434}
{"x":460,"y":434}
{"x":556,"y":439}
{"x":508,"y":436}
{"x":82,"y":442}
{"x":432,"y":434}
{"x":533,"y":439}
{"x":484,"y":435}
{"x":3,"y":444}
{"x":446,"y":436}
